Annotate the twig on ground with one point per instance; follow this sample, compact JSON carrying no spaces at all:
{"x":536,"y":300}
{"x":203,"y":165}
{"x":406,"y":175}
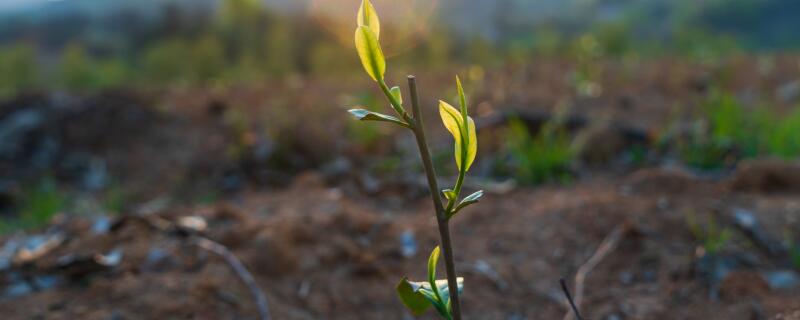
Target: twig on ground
{"x":192,"y":234}
{"x":569,"y":298}
{"x":607,"y":246}
{"x":240,"y":271}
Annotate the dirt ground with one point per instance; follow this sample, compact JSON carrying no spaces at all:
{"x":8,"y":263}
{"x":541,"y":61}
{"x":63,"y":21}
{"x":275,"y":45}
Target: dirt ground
{"x":326,"y":236}
{"x":512,"y":249}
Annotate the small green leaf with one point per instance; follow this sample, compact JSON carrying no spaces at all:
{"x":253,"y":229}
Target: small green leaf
{"x":462,"y":100}
{"x":470,"y":199}
{"x":432,"y":261}
{"x":412,"y":298}
{"x":449,"y":194}
{"x":454,"y":122}
{"x":366,"y":115}
{"x":395,"y":91}
{"x":367,"y":16}
{"x":369,"y":50}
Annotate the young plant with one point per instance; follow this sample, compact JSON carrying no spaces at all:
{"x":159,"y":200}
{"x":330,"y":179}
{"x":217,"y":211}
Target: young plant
{"x":713,"y":237}
{"x":443,"y":295}
{"x":38,"y":204}
{"x":543,"y":157}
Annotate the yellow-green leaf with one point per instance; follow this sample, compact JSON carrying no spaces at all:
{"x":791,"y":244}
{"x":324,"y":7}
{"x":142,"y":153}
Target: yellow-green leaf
{"x":369,"y":50}
{"x":462,"y":100}
{"x":367,"y":16}
{"x":432,"y":261}
{"x":454,"y":122}
{"x":395,"y":91}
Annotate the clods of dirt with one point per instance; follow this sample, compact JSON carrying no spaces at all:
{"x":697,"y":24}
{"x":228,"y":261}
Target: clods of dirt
{"x":319,"y":253}
{"x":767,"y":176}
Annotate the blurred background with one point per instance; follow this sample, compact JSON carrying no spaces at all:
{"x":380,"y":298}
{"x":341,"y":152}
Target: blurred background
{"x":675,"y":118}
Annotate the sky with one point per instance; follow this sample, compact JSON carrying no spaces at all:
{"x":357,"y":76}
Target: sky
{"x":16,"y":4}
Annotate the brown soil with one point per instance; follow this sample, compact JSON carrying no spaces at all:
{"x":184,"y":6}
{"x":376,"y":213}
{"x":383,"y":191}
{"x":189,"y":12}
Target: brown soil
{"x":321,"y":248}
{"x":319,"y":254}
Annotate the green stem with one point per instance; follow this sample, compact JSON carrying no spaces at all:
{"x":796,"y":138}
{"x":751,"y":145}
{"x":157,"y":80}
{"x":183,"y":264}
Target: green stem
{"x":396,"y":105}
{"x":457,"y":191}
{"x":441,"y":215}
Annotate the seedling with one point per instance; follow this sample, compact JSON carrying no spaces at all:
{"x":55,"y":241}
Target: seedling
{"x":443,"y":295}
{"x":712,"y":237}
{"x":544,"y":157}
{"x":38,"y":204}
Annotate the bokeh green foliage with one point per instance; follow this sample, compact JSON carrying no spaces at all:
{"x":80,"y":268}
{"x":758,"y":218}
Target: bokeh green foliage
{"x":80,"y":71}
{"x":545,"y":156}
{"x":731,"y":131}
{"x":712,"y":237}
{"x":18,"y":69}
{"x":244,"y":41}
{"x":38,"y":204}
{"x":178,"y":61}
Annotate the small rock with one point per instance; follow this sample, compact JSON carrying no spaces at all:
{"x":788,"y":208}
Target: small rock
{"x":111,"y":259}
{"x":336,"y":169}
{"x":158,"y":260}
{"x":626,"y":277}
{"x":369,"y":184}
{"x":20,"y":286}
{"x":782,"y":279}
{"x":101,"y":225}
{"x":35,"y":247}
{"x":747,"y":222}
{"x":408,"y":244}
{"x":516,"y":316}
{"x":304,"y":289}
{"x":77,"y":266}
{"x":193,"y":223}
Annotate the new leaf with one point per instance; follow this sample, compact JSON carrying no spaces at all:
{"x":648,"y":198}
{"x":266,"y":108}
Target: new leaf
{"x":466,"y":140}
{"x":368,"y":17}
{"x":369,"y":50}
{"x":470,"y":199}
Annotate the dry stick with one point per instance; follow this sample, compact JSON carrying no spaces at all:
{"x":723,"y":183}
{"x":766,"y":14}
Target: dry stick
{"x":240,"y":271}
{"x":569,"y":298}
{"x":607,"y":246}
{"x":212,"y":246}
{"x":444,"y":227}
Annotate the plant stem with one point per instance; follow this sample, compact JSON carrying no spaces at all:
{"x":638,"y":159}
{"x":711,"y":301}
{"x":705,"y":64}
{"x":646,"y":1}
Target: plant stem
{"x":393,"y":101}
{"x":457,"y":190}
{"x":441,"y":217}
